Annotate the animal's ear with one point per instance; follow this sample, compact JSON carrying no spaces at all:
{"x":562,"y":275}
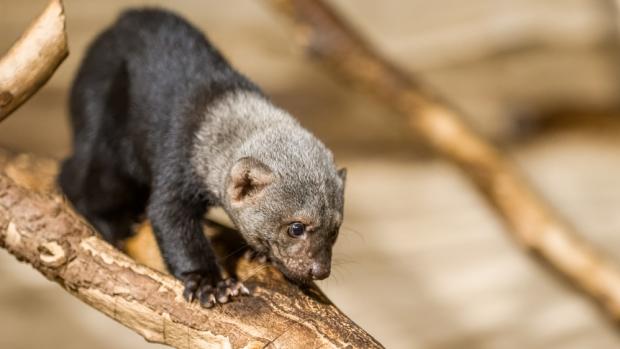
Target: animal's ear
{"x":248,"y":178}
{"x":342,"y":173}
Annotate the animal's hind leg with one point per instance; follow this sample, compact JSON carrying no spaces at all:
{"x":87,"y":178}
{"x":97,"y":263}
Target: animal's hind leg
{"x":109,"y":201}
{"x":93,"y":178}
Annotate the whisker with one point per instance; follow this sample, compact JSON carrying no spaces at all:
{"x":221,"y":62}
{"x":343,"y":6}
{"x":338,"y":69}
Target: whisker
{"x":335,"y":276}
{"x":234,"y":252}
{"x":343,"y":258}
{"x":325,"y":284}
{"x":358,"y":233}
{"x":343,"y":263}
{"x":254,"y":272}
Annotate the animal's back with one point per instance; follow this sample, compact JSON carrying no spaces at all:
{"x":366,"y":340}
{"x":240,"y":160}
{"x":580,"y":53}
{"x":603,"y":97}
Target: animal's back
{"x":140,"y":85}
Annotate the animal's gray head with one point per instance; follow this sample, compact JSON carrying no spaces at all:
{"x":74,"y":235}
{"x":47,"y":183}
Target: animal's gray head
{"x":286,"y":197}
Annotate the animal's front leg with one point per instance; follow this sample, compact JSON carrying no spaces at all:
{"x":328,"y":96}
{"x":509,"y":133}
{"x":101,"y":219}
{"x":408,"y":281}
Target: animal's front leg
{"x":178,"y":227}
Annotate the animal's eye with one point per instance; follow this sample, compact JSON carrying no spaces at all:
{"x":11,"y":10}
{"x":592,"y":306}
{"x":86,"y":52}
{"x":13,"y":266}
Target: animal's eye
{"x":296,"y":229}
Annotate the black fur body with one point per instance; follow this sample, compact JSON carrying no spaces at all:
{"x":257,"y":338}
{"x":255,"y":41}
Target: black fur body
{"x":136,"y":105}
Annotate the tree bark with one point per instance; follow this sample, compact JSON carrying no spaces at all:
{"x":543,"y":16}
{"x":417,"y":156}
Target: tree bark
{"x":32,"y":60}
{"x":535,"y":224}
{"x":38,"y":227}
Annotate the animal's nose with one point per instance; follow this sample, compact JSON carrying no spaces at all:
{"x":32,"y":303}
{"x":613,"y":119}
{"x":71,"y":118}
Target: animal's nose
{"x":319,"y":271}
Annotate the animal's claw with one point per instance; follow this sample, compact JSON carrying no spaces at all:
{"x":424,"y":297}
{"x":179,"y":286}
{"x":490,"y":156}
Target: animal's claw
{"x":212,"y":293}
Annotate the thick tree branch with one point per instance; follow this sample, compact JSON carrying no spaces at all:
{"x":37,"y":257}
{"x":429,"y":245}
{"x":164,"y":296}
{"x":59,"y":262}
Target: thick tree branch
{"x":332,"y":42}
{"x":38,"y":227}
{"x":33,"y":58}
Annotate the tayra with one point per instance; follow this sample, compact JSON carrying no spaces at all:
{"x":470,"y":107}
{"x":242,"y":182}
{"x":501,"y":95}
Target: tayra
{"x":163,"y":125}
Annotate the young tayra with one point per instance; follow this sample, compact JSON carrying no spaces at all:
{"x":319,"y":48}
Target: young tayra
{"x":163,"y":125}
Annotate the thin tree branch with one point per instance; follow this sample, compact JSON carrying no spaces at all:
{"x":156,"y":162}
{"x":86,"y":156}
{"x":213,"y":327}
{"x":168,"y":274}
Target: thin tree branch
{"x":335,"y":44}
{"x":32,"y":60}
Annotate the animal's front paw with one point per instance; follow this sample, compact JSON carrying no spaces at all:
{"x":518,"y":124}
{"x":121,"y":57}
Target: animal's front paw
{"x":209,"y":293}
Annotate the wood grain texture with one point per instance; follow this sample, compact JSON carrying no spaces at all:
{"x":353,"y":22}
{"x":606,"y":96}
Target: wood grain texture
{"x":534,"y":223}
